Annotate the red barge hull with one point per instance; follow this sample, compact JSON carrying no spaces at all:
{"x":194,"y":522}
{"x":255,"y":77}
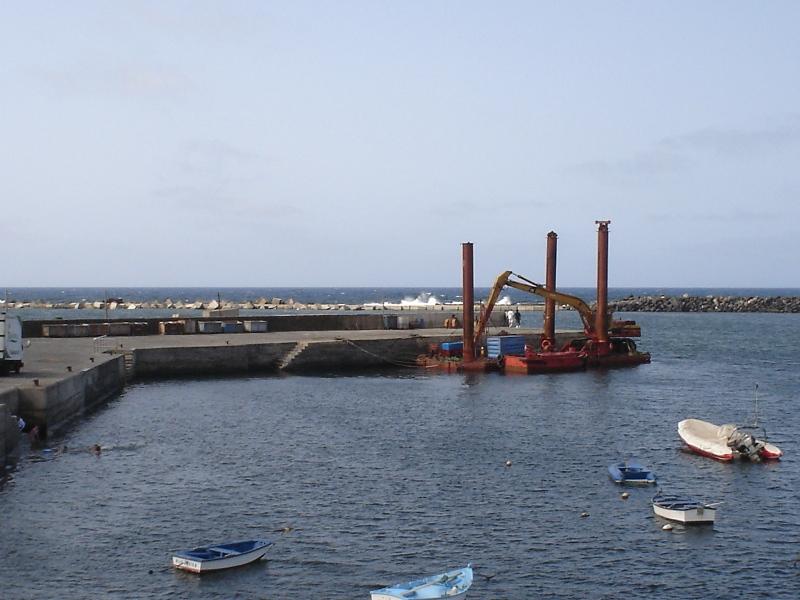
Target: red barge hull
{"x":545,"y":362}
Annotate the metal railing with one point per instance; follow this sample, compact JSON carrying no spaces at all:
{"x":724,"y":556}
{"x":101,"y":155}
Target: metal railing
{"x":103,"y":344}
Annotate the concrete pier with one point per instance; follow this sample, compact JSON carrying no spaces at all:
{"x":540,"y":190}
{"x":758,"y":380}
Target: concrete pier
{"x":9,"y":432}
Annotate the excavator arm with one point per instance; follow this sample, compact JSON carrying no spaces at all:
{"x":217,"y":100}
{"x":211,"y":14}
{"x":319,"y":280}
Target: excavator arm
{"x":586,"y":313}
{"x":625,"y":328}
{"x":486,"y":310}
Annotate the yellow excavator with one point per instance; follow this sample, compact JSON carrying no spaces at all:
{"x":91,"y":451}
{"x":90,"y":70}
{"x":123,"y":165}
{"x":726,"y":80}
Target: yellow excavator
{"x":615,"y":328}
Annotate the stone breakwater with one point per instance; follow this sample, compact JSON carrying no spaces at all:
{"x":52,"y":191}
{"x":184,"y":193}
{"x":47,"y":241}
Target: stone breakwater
{"x":168,"y":303}
{"x":224,"y":305}
{"x":686,"y":303}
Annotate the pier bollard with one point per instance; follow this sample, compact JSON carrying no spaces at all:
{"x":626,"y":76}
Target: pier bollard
{"x":69,"y":368}
{"x":36,"y":382}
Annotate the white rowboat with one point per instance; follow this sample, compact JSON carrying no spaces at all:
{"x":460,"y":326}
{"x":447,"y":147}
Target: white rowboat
{"x":221,"y":556}
{"x":452,"y":585}
{"x":683,"y":509}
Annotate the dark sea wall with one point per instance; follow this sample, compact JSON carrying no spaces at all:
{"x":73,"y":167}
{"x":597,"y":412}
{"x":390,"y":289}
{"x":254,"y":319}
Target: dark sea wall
{"x":685,"y":303}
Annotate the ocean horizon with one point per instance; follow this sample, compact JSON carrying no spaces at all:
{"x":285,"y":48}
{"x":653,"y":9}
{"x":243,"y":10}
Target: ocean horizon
{"x":353,"y":295}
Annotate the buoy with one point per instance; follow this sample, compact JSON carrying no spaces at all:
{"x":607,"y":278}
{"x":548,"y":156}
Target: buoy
{"x":667,"y":527}
{"x":508,"y":463}
{"x":625,"y":495}
{"x":584,"y":514}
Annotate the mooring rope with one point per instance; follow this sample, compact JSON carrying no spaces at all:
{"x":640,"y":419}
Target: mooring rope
{"x":404,"y":364}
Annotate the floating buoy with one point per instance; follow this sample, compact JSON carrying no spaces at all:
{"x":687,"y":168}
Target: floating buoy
{"x":584,"y":514}
{"x":508,"y":463}
{"x":624,"y":495}
{"x":667,"y":527}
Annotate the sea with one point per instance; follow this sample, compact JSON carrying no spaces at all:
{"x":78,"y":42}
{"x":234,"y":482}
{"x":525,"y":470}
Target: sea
{"x":370,"y":479}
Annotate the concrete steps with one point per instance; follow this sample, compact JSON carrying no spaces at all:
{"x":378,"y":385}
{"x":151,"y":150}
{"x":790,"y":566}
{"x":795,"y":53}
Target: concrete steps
{"x":130,"y":365}
{"x":286,"y":361}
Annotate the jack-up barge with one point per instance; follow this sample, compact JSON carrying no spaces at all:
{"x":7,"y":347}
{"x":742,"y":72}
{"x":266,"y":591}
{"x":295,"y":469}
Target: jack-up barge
{"x":605,"y":342}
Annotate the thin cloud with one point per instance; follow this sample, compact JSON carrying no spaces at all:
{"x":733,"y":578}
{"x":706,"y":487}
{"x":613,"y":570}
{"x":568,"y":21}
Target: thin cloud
{"x":645,"y":164}
{"x":221,"y":203}
{"x":215,"y":177}
{"x":738,"y":216}
{"x":676,"y":154}
{"x":494,"y":206}
{"x":735,"y":142}
{"x":215,"y":150}
{"x":114,"y":80}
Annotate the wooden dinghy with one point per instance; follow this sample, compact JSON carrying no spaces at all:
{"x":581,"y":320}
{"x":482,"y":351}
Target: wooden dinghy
{"x":450,"y":586}
{"x":683,"y":509}
{"x":220,"y":556}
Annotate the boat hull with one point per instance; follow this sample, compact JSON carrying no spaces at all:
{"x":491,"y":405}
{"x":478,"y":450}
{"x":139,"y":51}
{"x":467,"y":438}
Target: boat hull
{"x":456,"y":365}
{"x":188,"y":561}
{"x":699,"y":515}
{"x":770,"y":452}
{"x":631,"y":474}
{"x":611,"y":361}
{"x":450,"y":585}
{"x":545,"y":362}
{"x":379,"y":596}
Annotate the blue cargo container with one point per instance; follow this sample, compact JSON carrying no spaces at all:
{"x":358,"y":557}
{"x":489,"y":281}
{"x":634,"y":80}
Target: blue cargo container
{"x":237,"y":327}
{"x":452,"y":348}
{"x":503,"y":345}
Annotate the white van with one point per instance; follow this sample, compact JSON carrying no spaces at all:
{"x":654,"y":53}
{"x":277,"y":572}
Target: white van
{"x":10,"y":344}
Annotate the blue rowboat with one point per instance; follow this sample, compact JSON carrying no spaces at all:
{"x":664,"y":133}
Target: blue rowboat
{"x":451,"y":585}
{"x":631,"y":473}
{"x":220,"y":556}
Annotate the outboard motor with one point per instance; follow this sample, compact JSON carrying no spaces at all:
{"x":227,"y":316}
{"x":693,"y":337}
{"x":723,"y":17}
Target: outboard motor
{"x":745,"y":444}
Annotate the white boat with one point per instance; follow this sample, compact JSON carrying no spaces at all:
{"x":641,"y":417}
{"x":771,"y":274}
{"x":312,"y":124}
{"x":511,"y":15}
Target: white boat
{"x":683,"y":509}
{"x":726,"y":442}
{"x":450,"y":586}
{"x":221,"y":556}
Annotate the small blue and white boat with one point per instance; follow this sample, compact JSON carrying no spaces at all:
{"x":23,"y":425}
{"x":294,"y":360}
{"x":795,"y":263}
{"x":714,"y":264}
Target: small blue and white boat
{"x":631,"y":472}
{"x":220,"y":556}
{"x":450,"y":586}
{"x":683,"y":508}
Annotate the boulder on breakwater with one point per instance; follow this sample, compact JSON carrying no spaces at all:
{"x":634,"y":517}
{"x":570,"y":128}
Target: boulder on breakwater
{"x":686,"y":303}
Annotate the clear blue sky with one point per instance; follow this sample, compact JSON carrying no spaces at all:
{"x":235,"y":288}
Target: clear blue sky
{"x":359,"y":143}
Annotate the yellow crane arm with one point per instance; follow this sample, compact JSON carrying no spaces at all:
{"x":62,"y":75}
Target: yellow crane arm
{"x":585,"y":312}
{"x":526,"y":285}
{"x":486,"y":310}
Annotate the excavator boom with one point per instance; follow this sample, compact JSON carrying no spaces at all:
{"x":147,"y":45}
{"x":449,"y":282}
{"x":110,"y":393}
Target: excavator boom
{"x":624,"y":328}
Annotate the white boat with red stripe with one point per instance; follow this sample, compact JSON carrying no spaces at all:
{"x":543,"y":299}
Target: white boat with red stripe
{"x":727,"y":442}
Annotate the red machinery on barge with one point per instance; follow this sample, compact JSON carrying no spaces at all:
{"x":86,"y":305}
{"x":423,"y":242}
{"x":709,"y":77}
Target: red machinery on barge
{"x":605,"y":343}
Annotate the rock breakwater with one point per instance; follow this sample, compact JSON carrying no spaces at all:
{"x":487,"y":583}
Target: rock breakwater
{"x":686,"y":303}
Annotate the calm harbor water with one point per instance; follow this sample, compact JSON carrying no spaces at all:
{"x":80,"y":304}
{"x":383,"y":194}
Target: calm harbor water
{"x":384,"y":477}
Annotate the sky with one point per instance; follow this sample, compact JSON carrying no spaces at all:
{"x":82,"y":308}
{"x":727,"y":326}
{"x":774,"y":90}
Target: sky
{"x":359,"y":143}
